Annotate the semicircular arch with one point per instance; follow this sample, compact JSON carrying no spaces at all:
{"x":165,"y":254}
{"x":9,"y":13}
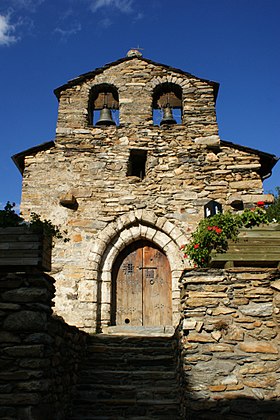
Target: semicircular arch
{"x":125,"y":230}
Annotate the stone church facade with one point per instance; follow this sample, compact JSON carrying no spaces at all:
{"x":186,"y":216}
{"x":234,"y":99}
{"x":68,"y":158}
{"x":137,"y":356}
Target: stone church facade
{"x":130,"y":191}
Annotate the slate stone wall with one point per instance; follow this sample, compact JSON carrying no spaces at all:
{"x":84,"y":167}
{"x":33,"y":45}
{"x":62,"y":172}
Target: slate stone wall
{"x":135,"y":81}
{"x":187,"y":165}
{"x":230,"y":343}
{"x":228,"y":346}
{"x":39,"y":353}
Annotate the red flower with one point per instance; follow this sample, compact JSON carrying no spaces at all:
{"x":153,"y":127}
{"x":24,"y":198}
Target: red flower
{"x":215,"y":228}
{"x":182,"y":246}
{"x":218,"y":230}
{"x":260,"y":203}
{"x":196,"y":246}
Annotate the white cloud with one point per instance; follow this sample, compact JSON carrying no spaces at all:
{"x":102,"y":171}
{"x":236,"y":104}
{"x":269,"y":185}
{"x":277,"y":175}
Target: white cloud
{"x":124,"y":6}
{"x":65,"y":33}
{"x":31,"y":5}
{"x":105,"y":23}
{"x":6,"y":31}
{"x":139,"y":16}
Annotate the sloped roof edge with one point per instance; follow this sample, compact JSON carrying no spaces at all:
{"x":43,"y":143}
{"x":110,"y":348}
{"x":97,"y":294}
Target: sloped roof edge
{"x":267,"y":160}
{"x":18,"y":158}
{"x":99,"y":70}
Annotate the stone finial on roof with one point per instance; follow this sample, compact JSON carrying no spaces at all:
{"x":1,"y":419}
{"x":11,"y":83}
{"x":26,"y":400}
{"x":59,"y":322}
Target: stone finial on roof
{"x":134,"y":52}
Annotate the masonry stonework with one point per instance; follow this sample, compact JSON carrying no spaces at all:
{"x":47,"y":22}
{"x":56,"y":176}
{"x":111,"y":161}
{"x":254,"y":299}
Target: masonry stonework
{"x":40,"y":354}
{"x":187,"y":165}
{"x":230,"y":343}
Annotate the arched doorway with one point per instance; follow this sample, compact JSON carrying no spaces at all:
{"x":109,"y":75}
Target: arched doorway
{"x":141,"y":287}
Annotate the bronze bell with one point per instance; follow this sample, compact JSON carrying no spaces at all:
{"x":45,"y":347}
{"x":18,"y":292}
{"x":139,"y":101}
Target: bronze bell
{"x":167,"y":116}
{"x":105,"y":117}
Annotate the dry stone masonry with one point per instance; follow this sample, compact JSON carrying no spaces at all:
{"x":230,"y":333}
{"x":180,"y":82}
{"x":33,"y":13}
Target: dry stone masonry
{"x":85,"y":180}
{"x":230,"y":343}
{"x":39,"y":353}
{"x":130,"y":192}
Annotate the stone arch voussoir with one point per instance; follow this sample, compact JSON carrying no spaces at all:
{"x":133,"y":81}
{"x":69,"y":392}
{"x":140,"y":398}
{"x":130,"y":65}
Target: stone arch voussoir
{"x":128,"y":228}
{"x":131,"y":227}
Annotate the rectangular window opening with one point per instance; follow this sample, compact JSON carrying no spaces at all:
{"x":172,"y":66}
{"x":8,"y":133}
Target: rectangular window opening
{"x":137,"y":163}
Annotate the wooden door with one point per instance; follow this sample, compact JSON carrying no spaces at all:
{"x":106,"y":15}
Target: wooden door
{"x":142,"y":287}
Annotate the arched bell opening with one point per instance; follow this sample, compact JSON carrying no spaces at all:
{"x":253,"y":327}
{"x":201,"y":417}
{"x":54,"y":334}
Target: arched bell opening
{"x":103,"y":108}
{"x":167,"y":104}
{"x":141,"y":292}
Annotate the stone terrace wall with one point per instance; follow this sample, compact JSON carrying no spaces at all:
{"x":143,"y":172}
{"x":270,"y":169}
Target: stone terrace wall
{"x":230,"y":343}
{"x":39,"y":354}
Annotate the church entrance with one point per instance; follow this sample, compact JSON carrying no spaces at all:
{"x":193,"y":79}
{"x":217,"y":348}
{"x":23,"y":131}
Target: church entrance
{"x":141,"y":287}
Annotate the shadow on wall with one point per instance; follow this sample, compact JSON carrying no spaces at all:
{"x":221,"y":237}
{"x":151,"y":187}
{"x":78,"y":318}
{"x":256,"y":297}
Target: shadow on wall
{"x":232,"y":408}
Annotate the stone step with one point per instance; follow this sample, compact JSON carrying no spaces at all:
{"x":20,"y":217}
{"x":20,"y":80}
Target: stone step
{"x":100,"y":350}
{"x":119,"y":377}
{"x":117,"y":338}
{"x":127,"y":377}
{"x":164,"y":331}
{"x":118,"y":417}
{"x":104,"y":391}
{"x":141,"y":363}
{"x":126,"y":407}
{"x":121,"y":417}
{"x":114,"y":417}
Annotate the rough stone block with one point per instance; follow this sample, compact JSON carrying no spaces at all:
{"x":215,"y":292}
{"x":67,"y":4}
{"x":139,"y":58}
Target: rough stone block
{"x":258,"y":347}
{"x":208,"y":141}
{"x":257,"y":309}
{"x":26,"y":321}
{"x":87,"y":291}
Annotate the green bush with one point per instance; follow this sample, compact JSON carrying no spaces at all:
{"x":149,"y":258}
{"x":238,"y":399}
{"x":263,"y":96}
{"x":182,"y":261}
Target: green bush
{"x":273,"y":211}
{"x":9,"y":218}
{"x":213,"y":233}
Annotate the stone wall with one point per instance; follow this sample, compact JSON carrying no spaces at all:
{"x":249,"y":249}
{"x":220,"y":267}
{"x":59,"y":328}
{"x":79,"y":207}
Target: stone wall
{"x":230,"y":343}
{"x":187,"y":165}
{"x":228,"y":346}
{"x":40,"y":354}
{"x":181,"y":177}
{"x":135,"y":80}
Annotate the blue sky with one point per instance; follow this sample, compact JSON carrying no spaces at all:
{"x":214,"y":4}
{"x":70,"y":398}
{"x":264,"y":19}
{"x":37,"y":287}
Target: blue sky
{"x":44,"y":43}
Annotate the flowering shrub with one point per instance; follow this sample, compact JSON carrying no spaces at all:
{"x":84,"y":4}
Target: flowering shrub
{"x":213,"y":233}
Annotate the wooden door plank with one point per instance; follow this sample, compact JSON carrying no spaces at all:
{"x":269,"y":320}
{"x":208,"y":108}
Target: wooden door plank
{"x":129,"y":290}
{"x":157,"y":308}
